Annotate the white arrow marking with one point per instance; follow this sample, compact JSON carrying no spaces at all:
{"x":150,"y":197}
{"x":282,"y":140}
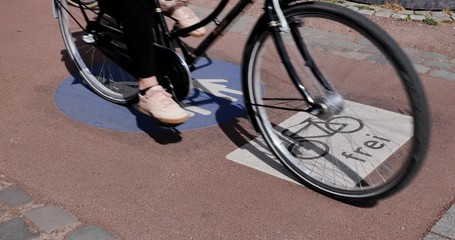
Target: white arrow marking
{"x":212,"y":86}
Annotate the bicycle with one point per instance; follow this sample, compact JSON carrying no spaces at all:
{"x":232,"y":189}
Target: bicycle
{"x":86,"y":3}
{"x":334,"y":62}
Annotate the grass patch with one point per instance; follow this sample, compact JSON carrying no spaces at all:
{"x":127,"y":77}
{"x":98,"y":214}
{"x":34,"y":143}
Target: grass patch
{"x":335,"y":1}
{"x":393,"y":6}
{"x":430,"y":21}
{"x":361,"y":7}
{"x":448,"y":11}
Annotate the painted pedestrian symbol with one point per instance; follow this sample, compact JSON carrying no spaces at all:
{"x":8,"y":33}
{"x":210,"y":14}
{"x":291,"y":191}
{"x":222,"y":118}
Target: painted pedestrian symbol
{"x":215,"y":87}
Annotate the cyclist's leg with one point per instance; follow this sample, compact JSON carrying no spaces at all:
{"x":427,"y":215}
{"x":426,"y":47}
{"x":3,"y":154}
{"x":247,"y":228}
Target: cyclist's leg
{"x":137,"y":18}
{"x":182,"y":14}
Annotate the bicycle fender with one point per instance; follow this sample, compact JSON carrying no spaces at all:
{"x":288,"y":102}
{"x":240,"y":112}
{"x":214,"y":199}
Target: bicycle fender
{"x":260,"y":26}
{"x":289,"y":3}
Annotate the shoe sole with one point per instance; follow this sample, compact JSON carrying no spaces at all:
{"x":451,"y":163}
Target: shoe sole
{"x":173,"y":121}
{"x":193,"y":33}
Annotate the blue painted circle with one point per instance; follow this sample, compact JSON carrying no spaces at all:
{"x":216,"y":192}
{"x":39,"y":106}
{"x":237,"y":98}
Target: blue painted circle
{"x":78,"y":102}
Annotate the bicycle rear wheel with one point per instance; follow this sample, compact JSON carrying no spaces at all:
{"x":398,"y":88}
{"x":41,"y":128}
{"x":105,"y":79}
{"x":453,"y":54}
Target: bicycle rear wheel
{"x":377,"y":143}
{"x":104,"y":76}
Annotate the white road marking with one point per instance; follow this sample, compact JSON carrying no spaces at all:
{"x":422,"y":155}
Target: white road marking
{"x":381,"y":134}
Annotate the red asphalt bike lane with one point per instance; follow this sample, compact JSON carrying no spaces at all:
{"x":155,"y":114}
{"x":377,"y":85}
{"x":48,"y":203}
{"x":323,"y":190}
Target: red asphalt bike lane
{"x":181,"y":186}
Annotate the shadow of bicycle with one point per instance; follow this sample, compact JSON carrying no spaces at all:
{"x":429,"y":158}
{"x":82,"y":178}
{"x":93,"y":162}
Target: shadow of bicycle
{"x":235,"y":125}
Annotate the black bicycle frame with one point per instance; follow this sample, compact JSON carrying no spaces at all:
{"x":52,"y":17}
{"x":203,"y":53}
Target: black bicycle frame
{"x":273,"y":22}
{"x":176,"y":34}
{"x":275,"y":28}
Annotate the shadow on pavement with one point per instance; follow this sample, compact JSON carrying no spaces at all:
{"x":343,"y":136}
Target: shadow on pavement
{"x":238,"y":130}
{"x":161,"y":134}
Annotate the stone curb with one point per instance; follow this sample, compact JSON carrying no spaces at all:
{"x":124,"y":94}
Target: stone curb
{"x":428,"y":17}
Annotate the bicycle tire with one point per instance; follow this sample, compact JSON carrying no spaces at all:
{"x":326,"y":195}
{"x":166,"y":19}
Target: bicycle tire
{"x":104,"y":77}
{"x":380,"y":88}
{"x":87,"y":3}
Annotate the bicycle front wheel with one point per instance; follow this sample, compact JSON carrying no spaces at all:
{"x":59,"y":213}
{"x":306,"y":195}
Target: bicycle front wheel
{"x":103,"y":75}
{"x":376,"y":142}
{"x":87,"y":3}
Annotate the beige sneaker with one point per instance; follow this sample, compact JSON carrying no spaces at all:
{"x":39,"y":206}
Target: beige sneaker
{"x":182,"y":14}
{"x":159,"y":104}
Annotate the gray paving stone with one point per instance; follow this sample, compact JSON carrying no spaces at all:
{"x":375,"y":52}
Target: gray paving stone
{"x":347,"y":45}
{"x":432,"y":236}
{"x":410,"y":51}
{"x":376,"y":8}
{"x":352,"y":55}
{"x":434,"y":56}
{"x":362,"y":5}
{"x":400,"y":16}
{"x":439,"y":14}
{"x":421,"y":69}
{"x":383,"y":14}
{"x":443,"y":19}
{"x":417,"y":17}
{"x":416,"y":59}
{"x":348,"y":3}
{"x":90,"y":232}
{"x":372,"y":50}
{"x":424,"y":13}
{"x":14,"y":197}
{"x":443,"y":74}
{"x":367,"y":12}
{"x":2,"y":212}
{"x":378,"y":59}
{"x":407,"y":12}
{"x":438,"y":64}
{"x":49,"y":218}
{"x":445,"y":226}
{"x":16,"y":229}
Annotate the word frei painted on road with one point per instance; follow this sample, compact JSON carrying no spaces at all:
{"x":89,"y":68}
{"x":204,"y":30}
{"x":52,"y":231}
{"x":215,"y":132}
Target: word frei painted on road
{"x":216,"y":97}
{"x":310,"y":137}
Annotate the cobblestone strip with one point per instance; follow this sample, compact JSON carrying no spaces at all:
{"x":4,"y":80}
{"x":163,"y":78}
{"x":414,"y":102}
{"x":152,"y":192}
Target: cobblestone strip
{"x":23,"y":217}
{"x":426,"y":63}
{"x":433,"y":64}
{"x":428,"y":17}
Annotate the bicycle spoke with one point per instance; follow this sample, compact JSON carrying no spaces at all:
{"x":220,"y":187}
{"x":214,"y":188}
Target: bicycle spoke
{"x":104,"y":76}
